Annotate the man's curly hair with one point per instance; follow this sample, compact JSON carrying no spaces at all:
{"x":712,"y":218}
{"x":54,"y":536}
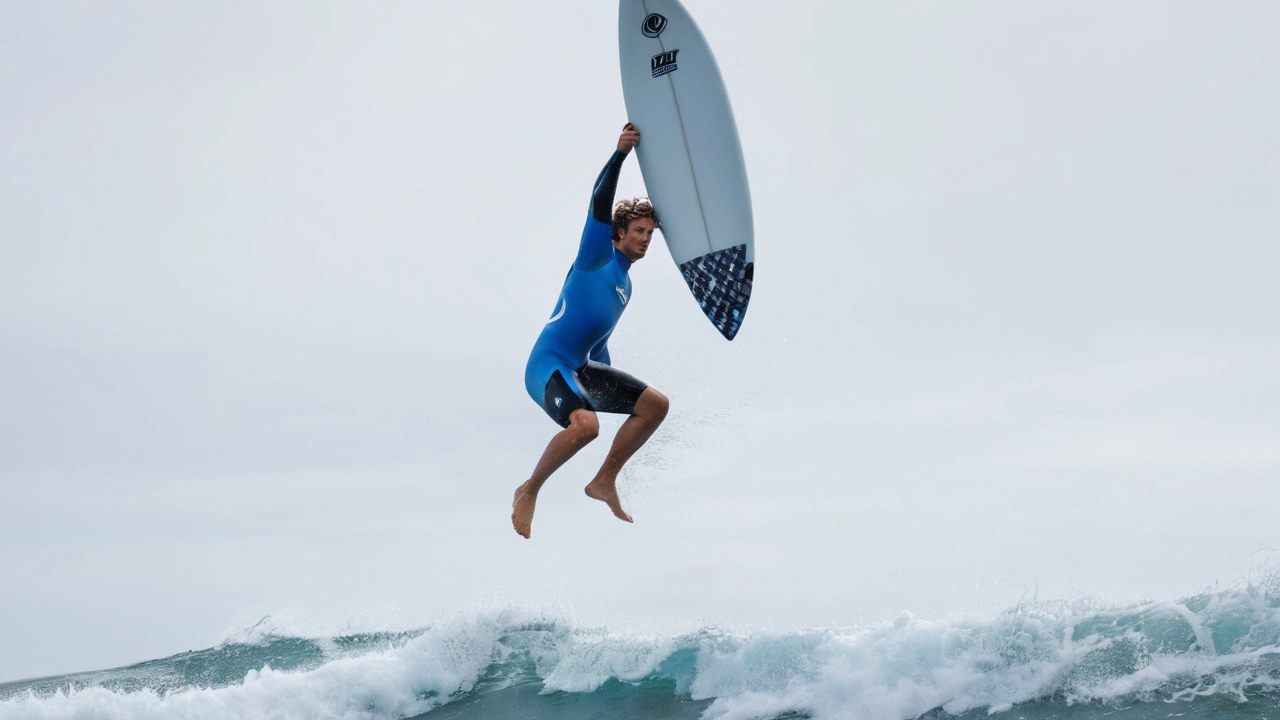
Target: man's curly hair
{"x":624,"y":211}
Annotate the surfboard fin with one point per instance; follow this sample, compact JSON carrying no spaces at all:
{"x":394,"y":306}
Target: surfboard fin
{"x":721,"y":283}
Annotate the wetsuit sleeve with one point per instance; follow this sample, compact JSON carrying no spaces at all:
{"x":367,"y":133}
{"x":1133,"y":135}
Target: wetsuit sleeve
{"x":596,"y":248}
{"x":606,"y":186}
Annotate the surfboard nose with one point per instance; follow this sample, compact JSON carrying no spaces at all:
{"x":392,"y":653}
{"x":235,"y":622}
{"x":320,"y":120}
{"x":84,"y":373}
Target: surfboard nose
{"x":721,"y":283}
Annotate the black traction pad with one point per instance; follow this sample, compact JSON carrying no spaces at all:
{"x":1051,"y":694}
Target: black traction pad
{"x":721,"y":283}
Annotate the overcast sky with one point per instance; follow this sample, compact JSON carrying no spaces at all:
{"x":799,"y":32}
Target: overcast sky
{"x":270,"y":272}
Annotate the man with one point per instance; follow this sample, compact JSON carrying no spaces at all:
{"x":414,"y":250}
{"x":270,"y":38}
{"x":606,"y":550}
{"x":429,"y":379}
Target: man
{"x":569,"y":374}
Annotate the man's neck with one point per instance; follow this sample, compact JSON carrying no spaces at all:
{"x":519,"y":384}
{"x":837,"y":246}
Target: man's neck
{"x":623,"y":255}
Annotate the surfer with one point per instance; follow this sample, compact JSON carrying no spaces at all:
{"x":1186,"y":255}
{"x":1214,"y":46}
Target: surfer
{"x":569,"y":374}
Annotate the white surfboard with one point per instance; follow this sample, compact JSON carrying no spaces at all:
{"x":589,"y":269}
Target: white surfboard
{"x":690,"y":155}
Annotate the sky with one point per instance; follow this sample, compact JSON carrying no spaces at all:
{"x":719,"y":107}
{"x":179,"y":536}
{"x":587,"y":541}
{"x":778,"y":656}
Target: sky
{"x":269,"y":275}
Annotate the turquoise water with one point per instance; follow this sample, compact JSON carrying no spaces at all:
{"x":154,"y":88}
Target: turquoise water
{"x":1211,"y":655}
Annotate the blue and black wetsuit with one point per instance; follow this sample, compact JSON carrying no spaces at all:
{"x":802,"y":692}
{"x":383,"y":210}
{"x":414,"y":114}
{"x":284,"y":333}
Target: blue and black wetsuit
{"x":569,"y":366}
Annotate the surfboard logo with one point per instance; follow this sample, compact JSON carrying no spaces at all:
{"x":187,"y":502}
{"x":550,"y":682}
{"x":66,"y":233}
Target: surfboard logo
{"x":653,"y":25}
{"x":664,"y":62}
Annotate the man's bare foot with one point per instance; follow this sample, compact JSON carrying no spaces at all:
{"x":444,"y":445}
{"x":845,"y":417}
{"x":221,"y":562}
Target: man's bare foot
{"x":607,"y":493}
{"x":522,"y":509}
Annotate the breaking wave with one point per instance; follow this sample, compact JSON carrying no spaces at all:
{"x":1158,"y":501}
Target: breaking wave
{"x":1215,"y":654}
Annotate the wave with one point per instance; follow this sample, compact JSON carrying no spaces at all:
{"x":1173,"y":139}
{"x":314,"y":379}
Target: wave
{"x":1211,"y":654}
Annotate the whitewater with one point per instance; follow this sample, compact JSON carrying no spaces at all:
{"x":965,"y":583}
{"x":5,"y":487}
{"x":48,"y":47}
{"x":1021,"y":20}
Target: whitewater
{"x":1214,"y":654}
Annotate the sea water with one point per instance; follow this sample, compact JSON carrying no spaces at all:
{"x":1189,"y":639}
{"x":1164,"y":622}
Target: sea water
{"x":1213,"y":655}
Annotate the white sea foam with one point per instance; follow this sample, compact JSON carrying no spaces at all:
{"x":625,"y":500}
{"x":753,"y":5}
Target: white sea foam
{"x":1226,"y":644}
{"x":406,"y":681}
{"x":908,"y":667}
{"x":582,"y":661}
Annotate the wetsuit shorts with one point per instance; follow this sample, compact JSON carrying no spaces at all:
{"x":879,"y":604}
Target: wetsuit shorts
{"x":594,"y":386}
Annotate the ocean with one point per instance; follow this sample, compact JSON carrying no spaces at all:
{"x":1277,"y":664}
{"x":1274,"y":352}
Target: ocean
{"x":1211,"y":655}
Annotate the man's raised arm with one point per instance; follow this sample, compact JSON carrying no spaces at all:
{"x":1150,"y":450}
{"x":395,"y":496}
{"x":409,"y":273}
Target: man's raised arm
{"x":597,"y":248}
{"x":607,"y":182}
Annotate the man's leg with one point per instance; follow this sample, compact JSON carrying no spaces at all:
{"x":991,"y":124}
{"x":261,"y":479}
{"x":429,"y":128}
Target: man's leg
{"x":648,"y":414}
{"x":584,"y":426}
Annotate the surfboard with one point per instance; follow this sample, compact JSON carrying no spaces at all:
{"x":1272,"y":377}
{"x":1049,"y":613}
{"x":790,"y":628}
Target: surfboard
{"x":690,"y":155}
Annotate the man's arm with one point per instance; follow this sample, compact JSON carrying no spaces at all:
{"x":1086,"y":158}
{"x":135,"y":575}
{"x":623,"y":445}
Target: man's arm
{"x":607,"y":182}
{"x":605,"y":188}
{"x":596,"y":248}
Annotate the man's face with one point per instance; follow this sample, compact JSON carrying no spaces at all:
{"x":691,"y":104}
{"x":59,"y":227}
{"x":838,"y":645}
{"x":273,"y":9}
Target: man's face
{"x":634,"y":241}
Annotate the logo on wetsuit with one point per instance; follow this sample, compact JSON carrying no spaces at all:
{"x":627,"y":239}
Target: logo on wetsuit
{"x":664,"y":62}
{"x":564,"y":304}
{"x":622,"y":293}
{"x":653,"y":25}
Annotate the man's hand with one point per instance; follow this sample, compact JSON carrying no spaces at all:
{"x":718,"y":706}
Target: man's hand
{"x":629,"y":138}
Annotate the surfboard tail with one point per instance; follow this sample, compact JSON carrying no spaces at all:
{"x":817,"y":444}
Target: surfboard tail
{"x":721,"y":283}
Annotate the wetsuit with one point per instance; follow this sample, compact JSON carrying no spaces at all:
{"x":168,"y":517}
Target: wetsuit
{"x":569,"y":366}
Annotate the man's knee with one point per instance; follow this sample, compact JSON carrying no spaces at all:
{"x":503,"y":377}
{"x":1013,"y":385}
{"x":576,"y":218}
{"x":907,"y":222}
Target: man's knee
{"x":653,"y":404}
{"x":584,"y":424}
